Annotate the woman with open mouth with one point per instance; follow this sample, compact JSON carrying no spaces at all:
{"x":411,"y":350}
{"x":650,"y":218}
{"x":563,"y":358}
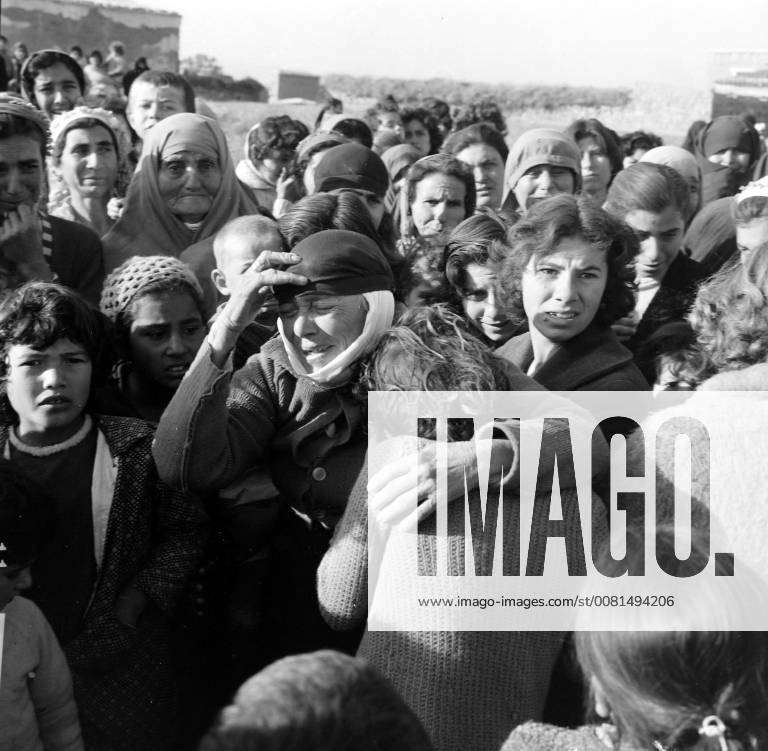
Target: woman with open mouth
{"x":569,"y":272}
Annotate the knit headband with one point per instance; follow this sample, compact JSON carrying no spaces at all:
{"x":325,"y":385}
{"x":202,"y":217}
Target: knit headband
{"x":139,"y":272}
{"x":64,"y":122}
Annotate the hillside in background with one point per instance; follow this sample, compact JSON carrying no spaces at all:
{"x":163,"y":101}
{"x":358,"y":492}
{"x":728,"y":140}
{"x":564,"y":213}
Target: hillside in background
{"x":509,"y":97}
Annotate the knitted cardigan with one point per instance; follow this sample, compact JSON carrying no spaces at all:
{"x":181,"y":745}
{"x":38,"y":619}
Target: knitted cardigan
{"x":535,"y":736}
{"x":468,"y":688}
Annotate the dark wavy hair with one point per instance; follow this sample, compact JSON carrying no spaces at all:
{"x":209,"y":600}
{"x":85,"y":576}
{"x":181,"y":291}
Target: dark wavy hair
{"x":607,"y":138}
{"x":40,"y":61}
{"x":555,"y":219}
{"x":485,"y":110}
{"x":480,"y":239}
{"x":280,"y":133}
{"x":37,"y":315}
{"x":478,"y":133}
{"x":428,"y":120}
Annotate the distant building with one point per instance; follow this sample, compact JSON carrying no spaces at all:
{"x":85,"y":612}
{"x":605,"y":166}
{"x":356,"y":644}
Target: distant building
{"x":740,"y":83}
{"x":153,"y":34}
{"x":298,"y":86}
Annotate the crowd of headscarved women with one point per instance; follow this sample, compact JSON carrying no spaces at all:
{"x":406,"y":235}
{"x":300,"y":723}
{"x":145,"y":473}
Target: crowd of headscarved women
{"x":187,"y":346}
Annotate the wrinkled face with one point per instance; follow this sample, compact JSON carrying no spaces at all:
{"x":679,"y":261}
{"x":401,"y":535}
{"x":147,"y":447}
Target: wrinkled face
{"x":188,"y":182}
{"x":166,"y":332}
{"x":595,"y":167}
{"x":416,"y":134}
{"x":88,"y":163}
{"x":751,"y":236}
{"x":48,"y":389}
{"x":13,"y":581}
{"x":149,"y":104}
{"x":56,"y":90}
{"x":438,"y":206}
{"x":488,"y":170}
{"x":737,"y":161}
{"x":21,"y":172}
{"x":543,"y":181}
{"x":321,"y":327}
{"x":660,"y":237}
{"x":562,"y":291}
{"x":482,"y":306}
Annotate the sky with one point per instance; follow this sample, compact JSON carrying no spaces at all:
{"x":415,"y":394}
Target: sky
{"x":592,"y":42}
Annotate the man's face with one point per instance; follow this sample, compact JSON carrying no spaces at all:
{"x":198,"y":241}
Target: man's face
{"x":21,"y":172}
{"x":149,"y":104}
{"x":57,"y":90}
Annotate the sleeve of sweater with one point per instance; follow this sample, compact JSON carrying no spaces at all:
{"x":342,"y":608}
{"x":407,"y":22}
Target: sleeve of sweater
{"x":51,"y":691}
{"x":216,"y":426}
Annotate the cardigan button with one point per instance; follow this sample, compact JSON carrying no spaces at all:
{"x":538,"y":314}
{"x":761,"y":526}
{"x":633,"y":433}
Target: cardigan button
{"x":319,"y":474}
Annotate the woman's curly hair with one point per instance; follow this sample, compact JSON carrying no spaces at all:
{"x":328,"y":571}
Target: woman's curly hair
{"x":556,"y":219}
{"x":730,"y":316}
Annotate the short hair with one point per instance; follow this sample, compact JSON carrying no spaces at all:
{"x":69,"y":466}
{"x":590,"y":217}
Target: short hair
{"x":38,"y":314}
{"x":40,"y":61}
{"x":480,"y":239}
{"x":167,"y":78}
{"x":280,"y":133}
{"x":76,"y":48}
{"x":97,"y":53}
{"x":27,"y":516}
{"x":483,"y":110}
{"x":254,"y":225}
{"x":440,"y":111}
{"x":555,"y":219}
{"x":355,"y":129}
{"x":427,"y":119}
{"x":323,"y":700}
{"x":117,"y":47}
{"x":606,"y":137}
{"x":483,"y":133}
{"x":648,"y":187}
{"x":730,"y":316}
{"x":673,"y":343}
{"x":443,"y":164}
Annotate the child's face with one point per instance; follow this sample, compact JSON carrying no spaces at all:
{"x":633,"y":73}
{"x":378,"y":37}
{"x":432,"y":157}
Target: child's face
{"x":166,"y":332}
{"x":48,"y":389}
{"x":238,"y":257}
{"x":13,"y":581}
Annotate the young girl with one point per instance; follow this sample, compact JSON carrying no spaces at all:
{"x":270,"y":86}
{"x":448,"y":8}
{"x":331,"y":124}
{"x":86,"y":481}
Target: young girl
{"x":156,"y":305}
{"x":124,"y":545}
{"x":37,"y":708}
{"x":679,"y":689}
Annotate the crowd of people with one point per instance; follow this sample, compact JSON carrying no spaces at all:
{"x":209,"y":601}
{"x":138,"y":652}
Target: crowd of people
{"x":187,"y":347}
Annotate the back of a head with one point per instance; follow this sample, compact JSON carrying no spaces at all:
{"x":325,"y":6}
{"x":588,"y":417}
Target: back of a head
{"x":484,"y":133}
{"x":682,"y":689}
{"x":323,"y":701}
{"x":647,"y":187}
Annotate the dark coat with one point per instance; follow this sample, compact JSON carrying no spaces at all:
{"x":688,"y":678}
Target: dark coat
{"x":155,"y":536}
{"x":77,"y":257}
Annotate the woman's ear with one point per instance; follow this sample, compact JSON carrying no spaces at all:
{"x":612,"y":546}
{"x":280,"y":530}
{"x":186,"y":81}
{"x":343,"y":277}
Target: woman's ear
{"x":602,"y":708}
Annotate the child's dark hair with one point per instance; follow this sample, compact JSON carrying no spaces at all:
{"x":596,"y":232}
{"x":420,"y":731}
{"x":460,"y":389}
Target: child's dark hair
{"x":27,"y":516}
{"x":37,"y":315}
{"x":672,"y":344}
{"x":323,"y":701}
{"x":663,"y":687}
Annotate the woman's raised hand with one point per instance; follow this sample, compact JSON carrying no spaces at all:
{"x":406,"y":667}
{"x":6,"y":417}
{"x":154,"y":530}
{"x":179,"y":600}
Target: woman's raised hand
{"x":250,"y":290}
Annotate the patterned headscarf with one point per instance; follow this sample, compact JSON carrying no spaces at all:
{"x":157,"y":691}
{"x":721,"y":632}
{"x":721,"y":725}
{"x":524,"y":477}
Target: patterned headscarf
{"x":147,"y":227}
{"x":16,"y":107}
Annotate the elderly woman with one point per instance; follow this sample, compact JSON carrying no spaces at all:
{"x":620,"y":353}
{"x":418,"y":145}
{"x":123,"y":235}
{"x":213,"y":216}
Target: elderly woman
{"x":88,"y":152}
{"x":542,"y":163}
{"x":569,"y":274}
{"x":601,"y":157}
{"x":473,"y":251}
{"x":33,"y":244}
{"x":184,"y":191}
{"x":653,"y":200}
{"x":484,"y":150}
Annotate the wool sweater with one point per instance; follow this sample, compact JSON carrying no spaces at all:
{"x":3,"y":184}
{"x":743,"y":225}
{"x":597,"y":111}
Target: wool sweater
{"x":37,"y":708}
{"x":536,"y":736}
